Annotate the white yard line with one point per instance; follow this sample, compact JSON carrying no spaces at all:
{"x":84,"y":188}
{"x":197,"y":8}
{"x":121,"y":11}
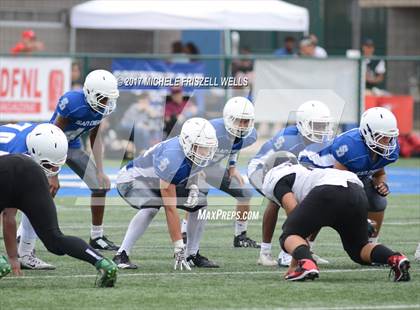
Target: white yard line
{"x":211,"y":224}
{"x":186,"y":273}
{"x":366,"y":307}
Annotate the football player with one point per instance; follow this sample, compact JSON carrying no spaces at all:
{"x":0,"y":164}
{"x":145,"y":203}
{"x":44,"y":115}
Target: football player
{"x":365,"y":151}
{"x":161,"y":177}
{"x":47,"y":145}
{"x":78,"y":112}
{"x":314,"y":126}
{"x":23,"y":185}
{"x":325,"y":198}
{"x":235,"y":131}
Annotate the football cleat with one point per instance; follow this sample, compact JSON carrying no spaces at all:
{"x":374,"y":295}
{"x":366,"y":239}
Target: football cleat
{"x":200,"y":261}
{"x":107,"y":273}
{"x":242,"y":241}
{"x":123,"y":261}
{"x":284,"y":259}
{"x":399,"y":268}
{"x":32,"y":262}
{"x":319,"y":260}
{"x":266,"y":259}
{"x":103,"y":243}
{"x":306,"y":270}
{"x":417,"y":254}
{"x":5,"y":267}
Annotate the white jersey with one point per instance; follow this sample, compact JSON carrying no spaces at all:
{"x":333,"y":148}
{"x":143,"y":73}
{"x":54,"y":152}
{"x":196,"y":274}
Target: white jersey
{"x":306,"y":179}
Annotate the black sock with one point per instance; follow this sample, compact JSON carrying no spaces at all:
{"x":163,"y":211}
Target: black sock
{"x":302,"y":252}
{"x":380,"y":254}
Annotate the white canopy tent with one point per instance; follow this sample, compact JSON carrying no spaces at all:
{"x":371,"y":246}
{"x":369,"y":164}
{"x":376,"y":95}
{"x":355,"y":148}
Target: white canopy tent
{"x":262,"y":15}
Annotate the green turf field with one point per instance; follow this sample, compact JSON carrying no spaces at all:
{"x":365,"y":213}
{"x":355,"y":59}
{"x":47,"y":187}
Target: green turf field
{"x":239,"y":283}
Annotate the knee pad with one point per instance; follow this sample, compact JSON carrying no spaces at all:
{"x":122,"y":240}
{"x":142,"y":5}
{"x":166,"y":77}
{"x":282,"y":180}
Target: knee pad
{"x":282,"y":239}
{"x":378,"y":204}
{"x":97,"y":192}
{"x":354,"y":254}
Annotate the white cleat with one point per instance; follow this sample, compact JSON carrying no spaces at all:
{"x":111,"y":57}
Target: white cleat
{"x":285,"y":259}
{"x":319,"y":260}
{"x":32,"y":262}
{"x":417,"y":254}
{"x":266,"y":259}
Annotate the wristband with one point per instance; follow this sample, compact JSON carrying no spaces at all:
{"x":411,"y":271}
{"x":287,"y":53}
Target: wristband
{"x":179,"y":243}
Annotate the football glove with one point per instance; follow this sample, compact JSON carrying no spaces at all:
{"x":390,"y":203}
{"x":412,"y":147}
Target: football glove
{"x":192,"y":199}
{"x":180,"y":257}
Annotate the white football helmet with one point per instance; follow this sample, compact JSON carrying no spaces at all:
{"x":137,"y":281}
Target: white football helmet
{"x":239,"y":116}
{"x":314,"y":121}
{"x":378,"y":126}
{"x":198,"y":140}
{"x":101,"y":91}
{"x":47,"y":145}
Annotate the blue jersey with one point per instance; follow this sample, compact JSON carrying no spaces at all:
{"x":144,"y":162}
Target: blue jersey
{"x":288,"y":139}
{"x":13,"y":138}
{"x":73,"y":106}
{"x":350,"y":150}
{"x":164,"y":161}
{"x":227,"y":144}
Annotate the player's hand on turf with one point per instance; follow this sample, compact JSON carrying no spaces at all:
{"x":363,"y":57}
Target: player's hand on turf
{"x":382,"y":189}
{"x":54,"y":185}
{"x":234,"y":173}
{"x":15,"y":264}
{"x":180,"y":258}
{"x":104,"y":182}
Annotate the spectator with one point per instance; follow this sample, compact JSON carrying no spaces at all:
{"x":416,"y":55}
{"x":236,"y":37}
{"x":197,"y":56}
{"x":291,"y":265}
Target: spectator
{"x":174,"y":111}
{"x":319,"y":52}
{"x":191,"y":49}
{"x":76,"y":76}
{"x":307,"y":48}
{"x":375,"y":69}
{"x":243,"y":65}
{"x":114,"y":146}
{"x":142,"y":120}
{"x":179,"y":51}
{"x":28,"y":44}
{"x":288,"y":49}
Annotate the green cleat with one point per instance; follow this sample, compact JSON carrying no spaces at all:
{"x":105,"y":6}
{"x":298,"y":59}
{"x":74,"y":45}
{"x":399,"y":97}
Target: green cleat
{"x":5,"y":267}
{"x":107,"y":273}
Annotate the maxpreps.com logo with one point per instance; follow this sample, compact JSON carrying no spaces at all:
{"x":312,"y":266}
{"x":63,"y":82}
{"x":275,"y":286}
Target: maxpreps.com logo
{"x":205,"y":214}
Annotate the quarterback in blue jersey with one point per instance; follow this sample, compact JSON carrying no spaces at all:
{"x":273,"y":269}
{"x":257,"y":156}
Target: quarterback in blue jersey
{"x":235,"y":131}
{"x":78,"y":112}
{"x":365,"y":151}
{"x":162,"y":176}
{"x":46,"y":144}
{"x":314,"y":127}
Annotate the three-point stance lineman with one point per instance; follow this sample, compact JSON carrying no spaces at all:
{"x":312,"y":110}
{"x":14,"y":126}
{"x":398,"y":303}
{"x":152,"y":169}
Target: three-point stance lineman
{"x":23,"y":185}
{"x":161,"y":177}
{"x":321,"y":198}
{"x":46,"y":144}
{"x":314,"y":127}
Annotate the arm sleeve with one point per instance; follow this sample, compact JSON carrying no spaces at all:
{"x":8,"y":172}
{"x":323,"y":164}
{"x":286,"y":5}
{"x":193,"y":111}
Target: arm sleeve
{"x":284,"y":186}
